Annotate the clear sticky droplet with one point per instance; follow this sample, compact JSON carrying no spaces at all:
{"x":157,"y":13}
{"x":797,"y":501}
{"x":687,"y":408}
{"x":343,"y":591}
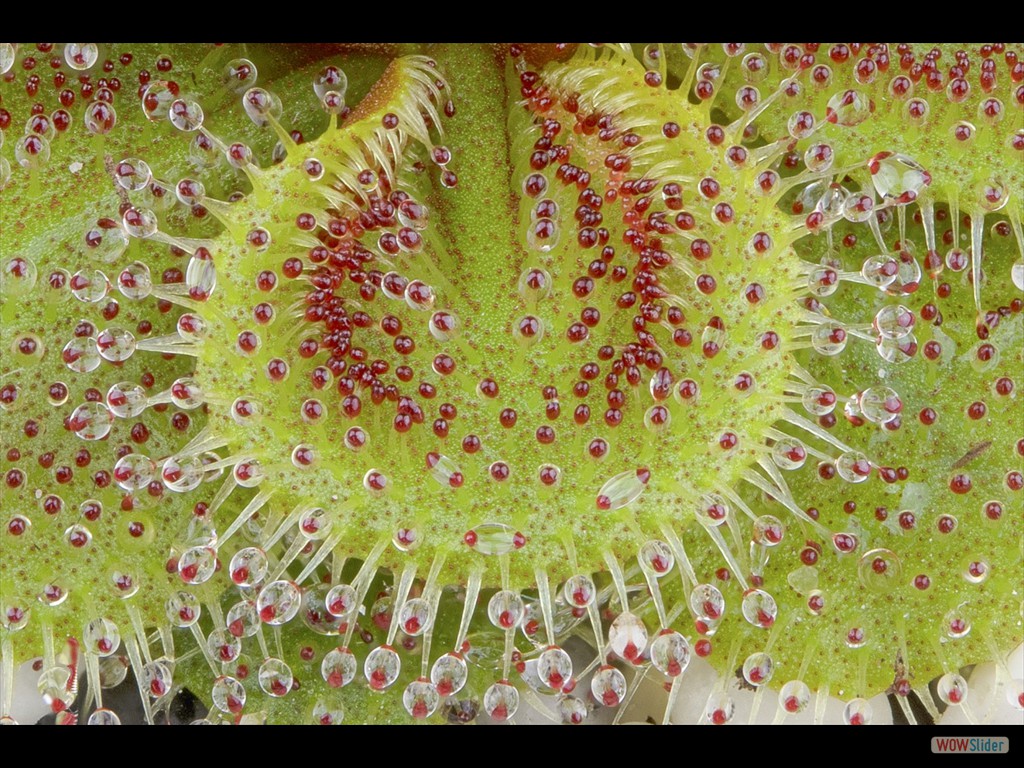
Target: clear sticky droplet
{"x":992,"y":194}
{"x":880,"y":405}
{"x":579,"y":591}
{"x":853,"y":467}
{"x":707,"y":603}
{"x":789,"y":453}
{"x":133,"y":174}
{"x":182,"y":609}
{"x":421,"y":699}
{"x":880,"y":571}
{"x":18,"y":275}
{"x":328,"y":714}
{"x":278,"y":602}
{"x":186,"y":393}
{"x":956,"y":623}
{"x":494,"y":538}
{"x":554,"y":667}
{"x":720,"y":708}
{"x":858,"y":712}
{"x":81,"y":56}
{"x":89,"y":287}
{"x":897,"y":177}
{"x":608,"y":686}
{"x":381,"y":667}
{"x":670,"y":653}
{"x":412,"y":213}
{"x":115,"y":345}
{"x":829,"y":338}
{"x":275,"y":678}
{"x":134,"y":471}
{"x":896,"y":351}
{"x":223,"y":646}
{"x":261,"y":106}
{"x":102,"y":637}
{"x":768,"y":531}
{"x":449,"y":674}
{"x":197,"y":564}
{"x":415,"y":616}
{"x":135,"y":281}
{"x":542,"y":235}
{"x":627,"y":636}
{"x":54,"y":686}
{"x":8,"y":55}
{"x":239,"y":75}
{"x":140,"y":222}
{"x":243,"y":620}
{"x":228,"y":695}
{"x":91,"y":421}
{"x":1015,"y":693}
{"x":794,"y":697}
{"x":1017,"y":274}
{"x":32,"y":151}
{"x":342,"y":601}
{"x":182,"y":475}
{"x":572,"y":710}
{"x":622,"y":489}
{"x":185,"y":115}
{"x":201,"y":274}
{"x":339,"y":667}
{"x":712,"y":510}
{"x":99,"y":118}
{"x":501,"y":701}
{"x":535,"y":284}
{"x":105,"y":241}
{"x":316,"y":524}
{"x":104,"y":716}
{"x":656,"y":557}
{"x":444,"y":326}
{"x":758,"y":669}
{"x":249,"y":473}
{"x":759,"y":608}
{"x":952,"y":689}
{"x":446,"y":472}
{"x":330,"y":79}
{"x":894,"y":321}
{"x":314,"y":612}
{"x":881,"y":270}
{"x":848,"y":108}
{"x":505,"y":609}
{"x":157,"y":679}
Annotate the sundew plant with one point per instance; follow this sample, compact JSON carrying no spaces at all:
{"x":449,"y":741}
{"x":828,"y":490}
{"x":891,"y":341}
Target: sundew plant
{"x":360,"y":382}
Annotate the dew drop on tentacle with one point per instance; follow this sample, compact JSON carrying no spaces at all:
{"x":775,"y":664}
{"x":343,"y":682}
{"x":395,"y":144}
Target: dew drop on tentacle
{"x":554,"y":667}
{"x":81,"y":56}
{"x":627,"y":637}
{"x":622,"y":489}
{"x":758,"y":669}
{"x":279,"y":602}
{"x":759,"y":608}
{"x":794,"y":697}
{"x":339,"y":667}
{"x":381,"y":667}
{"x":275,"y":677}
{"x":670,"y":653}
{"x":103,"y":716}
{"x":501,"y":701}
{"x":228,"y":695}
{"x":449,"y":674}
{"x":858,"y":712}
